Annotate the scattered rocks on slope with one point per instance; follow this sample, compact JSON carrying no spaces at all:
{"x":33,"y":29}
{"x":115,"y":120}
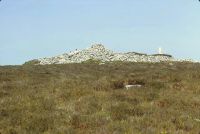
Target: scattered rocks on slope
{"x":99,"y":53}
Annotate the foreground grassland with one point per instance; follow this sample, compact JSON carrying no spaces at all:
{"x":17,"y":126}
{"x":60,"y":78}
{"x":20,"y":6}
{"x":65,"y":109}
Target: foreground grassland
{"x":90,"y":98}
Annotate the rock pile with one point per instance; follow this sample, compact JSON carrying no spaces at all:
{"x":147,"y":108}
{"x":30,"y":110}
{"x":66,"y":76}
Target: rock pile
{"x":99,"y":53}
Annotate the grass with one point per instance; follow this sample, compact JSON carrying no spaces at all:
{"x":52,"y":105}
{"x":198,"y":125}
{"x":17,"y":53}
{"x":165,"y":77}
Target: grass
{"x":90,"y":98}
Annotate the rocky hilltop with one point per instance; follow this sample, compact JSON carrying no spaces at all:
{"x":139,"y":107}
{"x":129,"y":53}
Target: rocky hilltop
{"x":98,"y":52}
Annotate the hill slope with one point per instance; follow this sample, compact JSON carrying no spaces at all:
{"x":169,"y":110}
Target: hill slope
{"x":90,"y":98}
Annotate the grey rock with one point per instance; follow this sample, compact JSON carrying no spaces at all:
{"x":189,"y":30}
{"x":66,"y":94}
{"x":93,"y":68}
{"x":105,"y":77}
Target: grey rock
{"x":98,"y":52}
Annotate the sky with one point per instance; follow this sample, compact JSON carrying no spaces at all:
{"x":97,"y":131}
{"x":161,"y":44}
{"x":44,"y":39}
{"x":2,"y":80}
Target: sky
{"x":31,"y":29}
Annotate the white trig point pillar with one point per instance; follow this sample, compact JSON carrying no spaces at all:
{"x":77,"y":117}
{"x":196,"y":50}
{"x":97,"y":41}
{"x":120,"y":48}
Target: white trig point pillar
{"x":160,"y":51}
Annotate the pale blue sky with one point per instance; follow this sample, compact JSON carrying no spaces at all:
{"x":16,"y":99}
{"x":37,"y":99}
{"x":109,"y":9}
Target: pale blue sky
{"x":32,"y":29}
